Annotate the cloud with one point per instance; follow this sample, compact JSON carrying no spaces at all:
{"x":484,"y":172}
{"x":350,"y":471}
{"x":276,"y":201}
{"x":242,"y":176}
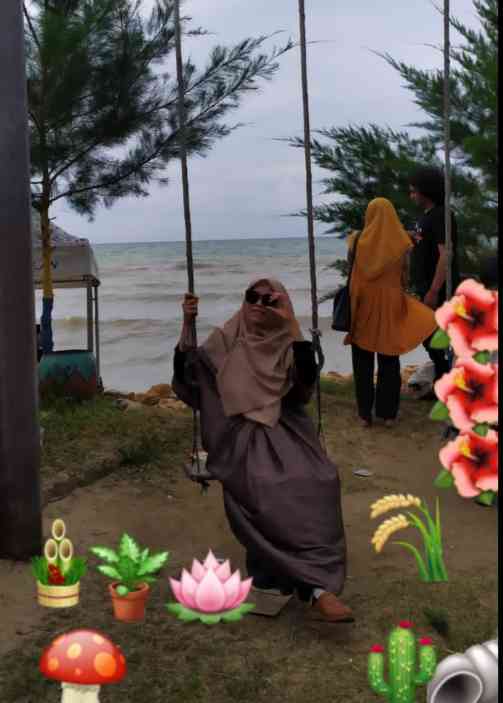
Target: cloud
{"x":249,"y":180}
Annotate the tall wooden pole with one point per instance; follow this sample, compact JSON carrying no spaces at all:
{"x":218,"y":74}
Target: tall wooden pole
{"x":183,"y":148}
{"x":307,"y":154}
{"x":447,"y":149}
{"x":196,"y":432}
{"x":20,"y":509}
{"x":316,"y":334}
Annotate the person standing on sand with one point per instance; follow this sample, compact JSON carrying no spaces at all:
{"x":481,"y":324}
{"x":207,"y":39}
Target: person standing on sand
{"x":384,"y":319}
{"x":250,"y":380}
{"x":428,"y":266}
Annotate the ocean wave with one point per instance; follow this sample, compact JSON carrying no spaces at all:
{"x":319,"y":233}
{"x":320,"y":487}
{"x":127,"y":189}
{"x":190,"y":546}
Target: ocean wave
{"x":159,"y":297}
{"x":198,"y":265}
{"x":145,"y":360}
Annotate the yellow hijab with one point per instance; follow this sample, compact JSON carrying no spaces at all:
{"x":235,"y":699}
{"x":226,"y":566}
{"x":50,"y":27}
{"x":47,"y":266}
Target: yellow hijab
{"x":383,"y":240}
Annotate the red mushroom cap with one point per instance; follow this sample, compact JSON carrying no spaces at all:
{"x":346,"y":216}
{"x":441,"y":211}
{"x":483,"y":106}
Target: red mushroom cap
{"x":83,"y":657}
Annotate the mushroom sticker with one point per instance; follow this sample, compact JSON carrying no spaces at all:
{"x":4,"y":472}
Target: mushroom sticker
{"x":83,"y":660}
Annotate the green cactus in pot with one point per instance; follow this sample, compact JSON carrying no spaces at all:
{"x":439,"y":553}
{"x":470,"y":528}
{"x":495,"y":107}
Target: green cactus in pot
{"x":402,"y":675}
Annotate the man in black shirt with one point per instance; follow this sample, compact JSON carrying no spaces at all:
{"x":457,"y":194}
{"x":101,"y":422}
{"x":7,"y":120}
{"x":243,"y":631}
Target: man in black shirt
{"x":428,"y":265}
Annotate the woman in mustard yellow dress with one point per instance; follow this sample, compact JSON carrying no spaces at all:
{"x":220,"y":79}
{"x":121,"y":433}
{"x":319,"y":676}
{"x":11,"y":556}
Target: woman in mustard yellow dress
{"x":384,"y":319}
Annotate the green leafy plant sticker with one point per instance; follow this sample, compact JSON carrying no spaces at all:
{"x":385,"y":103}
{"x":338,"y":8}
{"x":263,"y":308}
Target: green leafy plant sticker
{"x":129,"y":565}
{"x":482,"y":428}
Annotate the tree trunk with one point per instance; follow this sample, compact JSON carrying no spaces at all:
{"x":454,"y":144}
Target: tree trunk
{"x":20,"y":510}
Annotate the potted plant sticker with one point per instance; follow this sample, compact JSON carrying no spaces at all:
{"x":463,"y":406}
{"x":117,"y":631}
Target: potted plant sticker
{"x":58,"y":572}
{"x":132,"y":570}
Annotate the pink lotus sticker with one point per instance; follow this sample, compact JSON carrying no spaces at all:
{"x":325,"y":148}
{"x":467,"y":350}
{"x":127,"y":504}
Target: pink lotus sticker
{"x":210,"y":593}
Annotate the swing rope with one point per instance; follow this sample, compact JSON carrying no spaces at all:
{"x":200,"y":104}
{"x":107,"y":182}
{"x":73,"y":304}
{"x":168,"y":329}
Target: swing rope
{"x":447,"y":175}
{"x":188,"y":223}
{"x":315,"y":332}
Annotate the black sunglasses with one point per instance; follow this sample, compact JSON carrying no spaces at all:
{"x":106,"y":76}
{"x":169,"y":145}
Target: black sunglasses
{"x":252,"y":297}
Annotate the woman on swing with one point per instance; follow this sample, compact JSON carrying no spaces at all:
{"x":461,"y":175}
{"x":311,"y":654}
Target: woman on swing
{"x":250,"y":381}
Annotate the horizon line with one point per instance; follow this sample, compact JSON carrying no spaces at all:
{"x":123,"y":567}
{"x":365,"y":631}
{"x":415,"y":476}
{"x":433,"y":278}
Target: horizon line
{"x":227,"y":239}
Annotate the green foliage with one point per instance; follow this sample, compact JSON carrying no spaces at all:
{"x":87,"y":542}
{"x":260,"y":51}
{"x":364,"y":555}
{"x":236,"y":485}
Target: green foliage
{"x":77,"y":569}
{"x":431,"y":567}
{"x":444,"y":479}
{"x":103,"y":117}
{"x":142,"y":450}
{"x":440,"y":340}
{"x":439,"y":412}
{"x":482,"y":357}
{"x":486,"y":498}
{"x":438,"y":618}
{"x":40,"y":570}
{"x":370,"y":161}
{"x":129,"y":565}
{"x":188,"y":615}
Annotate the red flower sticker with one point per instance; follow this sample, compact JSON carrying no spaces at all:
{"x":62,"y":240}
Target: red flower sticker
{"x":470,"y":392}
{"x":473,"y":462}
{"x":377,"y":649}
{"x":470,"y":319}
{"x":425,"y":641}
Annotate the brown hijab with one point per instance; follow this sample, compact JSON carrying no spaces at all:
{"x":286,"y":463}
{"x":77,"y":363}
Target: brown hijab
{"x":383,"y":240}
{"x":253,"y":364}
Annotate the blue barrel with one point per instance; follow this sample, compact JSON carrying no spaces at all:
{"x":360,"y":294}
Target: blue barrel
{"x":70,"y":374}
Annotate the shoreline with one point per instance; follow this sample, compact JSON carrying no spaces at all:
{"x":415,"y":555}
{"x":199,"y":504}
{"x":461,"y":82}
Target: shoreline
{"x":161,"y":395}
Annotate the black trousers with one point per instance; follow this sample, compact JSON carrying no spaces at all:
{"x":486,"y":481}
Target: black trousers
{"x":387,"y":391}
{"x":438,"y":357}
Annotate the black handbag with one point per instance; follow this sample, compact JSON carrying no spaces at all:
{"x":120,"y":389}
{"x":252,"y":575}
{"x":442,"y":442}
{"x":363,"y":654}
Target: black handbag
{"x":341,"y":311}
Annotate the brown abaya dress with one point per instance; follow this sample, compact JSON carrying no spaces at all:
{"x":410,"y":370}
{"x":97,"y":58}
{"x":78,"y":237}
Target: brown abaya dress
{"x":281,"y":492}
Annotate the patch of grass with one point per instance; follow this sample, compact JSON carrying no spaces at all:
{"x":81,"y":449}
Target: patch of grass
{"x":79,"y":437}
{"x":438,"y":618}
{"x":141,"y":450}
{"x":341,"y":389}
{"x":259,"y":660}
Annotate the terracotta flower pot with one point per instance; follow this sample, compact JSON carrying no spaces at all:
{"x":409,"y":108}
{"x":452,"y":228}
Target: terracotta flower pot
{"x":131,"y":607}
{"x":58,"y":596}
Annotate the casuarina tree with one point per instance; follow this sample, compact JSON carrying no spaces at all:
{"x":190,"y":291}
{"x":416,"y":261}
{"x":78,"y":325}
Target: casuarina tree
{"x":369,"y":161}
{"x":103,"y":109}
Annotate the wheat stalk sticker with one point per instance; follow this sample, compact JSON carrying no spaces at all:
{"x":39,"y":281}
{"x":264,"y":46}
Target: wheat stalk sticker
{"x":431,"y":565}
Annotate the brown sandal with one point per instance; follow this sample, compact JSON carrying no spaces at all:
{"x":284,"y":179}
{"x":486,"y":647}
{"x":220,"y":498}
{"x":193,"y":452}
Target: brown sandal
{"x":328,"y":608}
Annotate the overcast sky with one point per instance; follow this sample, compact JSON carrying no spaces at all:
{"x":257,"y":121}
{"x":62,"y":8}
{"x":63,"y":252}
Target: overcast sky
{"x":245,"y":185}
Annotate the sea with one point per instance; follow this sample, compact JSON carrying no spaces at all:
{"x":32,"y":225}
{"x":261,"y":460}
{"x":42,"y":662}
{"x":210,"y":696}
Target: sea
{"x":141,"y":291}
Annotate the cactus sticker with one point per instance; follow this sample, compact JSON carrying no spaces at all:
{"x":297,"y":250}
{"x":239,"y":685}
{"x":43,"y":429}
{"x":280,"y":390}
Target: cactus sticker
{"x":403,"y":679}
